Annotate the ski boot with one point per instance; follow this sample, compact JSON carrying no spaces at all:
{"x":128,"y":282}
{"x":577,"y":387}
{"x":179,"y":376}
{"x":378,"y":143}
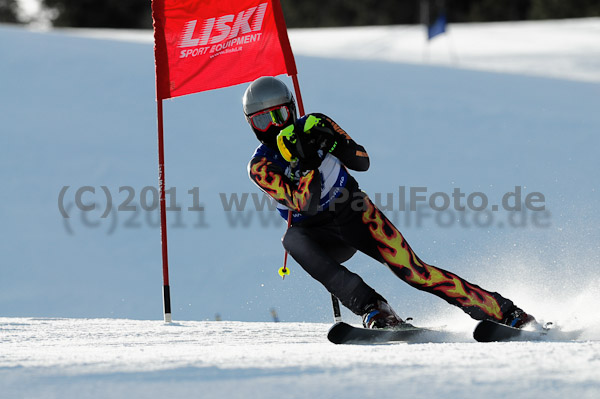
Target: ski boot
{"x":381,"y":315}
{"x":517,"y":318}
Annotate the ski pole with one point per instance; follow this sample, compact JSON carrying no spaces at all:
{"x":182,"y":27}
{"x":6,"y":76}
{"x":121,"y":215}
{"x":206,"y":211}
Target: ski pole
{"x":337,"y":315}
{"x":284,"y":271}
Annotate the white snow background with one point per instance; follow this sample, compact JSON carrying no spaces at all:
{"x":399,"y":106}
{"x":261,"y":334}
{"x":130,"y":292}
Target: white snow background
{"x":484,"y":108}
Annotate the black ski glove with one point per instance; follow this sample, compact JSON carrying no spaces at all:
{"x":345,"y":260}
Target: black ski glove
{"x":307,"y":143}
{"x":324,"y":136}
{"x":308,"y":148}
{"x":297,"y":143}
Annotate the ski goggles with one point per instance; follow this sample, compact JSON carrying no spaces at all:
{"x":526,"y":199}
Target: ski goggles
{"x":275,"y":116}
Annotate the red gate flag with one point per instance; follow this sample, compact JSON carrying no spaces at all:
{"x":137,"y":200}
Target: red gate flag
{"x":208,"y":44}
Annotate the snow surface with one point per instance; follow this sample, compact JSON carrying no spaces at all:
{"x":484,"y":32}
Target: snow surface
{"x":78,"y":111}
{"x":117,"y":358}
{"x":567,"y":48}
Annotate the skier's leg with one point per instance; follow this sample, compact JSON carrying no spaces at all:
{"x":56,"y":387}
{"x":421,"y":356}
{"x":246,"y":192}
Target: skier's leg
{"x":320,"y":250}
{"x":371,"y":232}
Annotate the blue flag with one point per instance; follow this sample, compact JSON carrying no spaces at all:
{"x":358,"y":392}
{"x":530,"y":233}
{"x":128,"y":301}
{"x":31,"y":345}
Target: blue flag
{"x":437,"y":27}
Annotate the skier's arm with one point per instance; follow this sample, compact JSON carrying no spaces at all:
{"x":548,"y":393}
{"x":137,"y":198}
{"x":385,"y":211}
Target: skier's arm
{"x":351,"y":154}
{"x":270,"y":178}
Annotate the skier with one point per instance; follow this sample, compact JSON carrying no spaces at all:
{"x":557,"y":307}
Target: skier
{"x":302,"y":163}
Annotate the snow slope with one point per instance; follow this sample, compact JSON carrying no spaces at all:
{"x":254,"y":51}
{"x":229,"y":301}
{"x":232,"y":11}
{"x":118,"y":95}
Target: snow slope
{"x":565,"y":48}
{"x":561,"y":49}
{"x":100,"y":358}
{"x":77,"y":111}
{"x":80,"y":113}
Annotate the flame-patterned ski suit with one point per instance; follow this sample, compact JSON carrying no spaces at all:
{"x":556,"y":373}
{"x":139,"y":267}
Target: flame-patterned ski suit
{"x":332,"y":219}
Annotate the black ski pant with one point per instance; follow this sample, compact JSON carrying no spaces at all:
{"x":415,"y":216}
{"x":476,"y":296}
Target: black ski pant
{"x":322,"y":243}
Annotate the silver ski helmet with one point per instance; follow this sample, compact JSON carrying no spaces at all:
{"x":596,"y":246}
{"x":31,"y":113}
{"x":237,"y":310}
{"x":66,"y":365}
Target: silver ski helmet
{"x":269,"y":106}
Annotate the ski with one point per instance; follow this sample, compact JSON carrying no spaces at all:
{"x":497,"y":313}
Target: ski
{"x":490,"y":331}
{"x":344,"y":333}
